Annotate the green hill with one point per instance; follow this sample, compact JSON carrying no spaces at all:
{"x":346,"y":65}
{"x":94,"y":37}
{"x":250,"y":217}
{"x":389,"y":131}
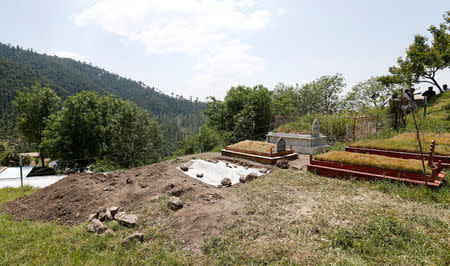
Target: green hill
{"x":20,"y":68}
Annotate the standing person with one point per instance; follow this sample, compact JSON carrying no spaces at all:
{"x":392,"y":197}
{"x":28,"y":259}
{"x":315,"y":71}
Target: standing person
{"x":430,"y":93}
{"x":444,"y":87}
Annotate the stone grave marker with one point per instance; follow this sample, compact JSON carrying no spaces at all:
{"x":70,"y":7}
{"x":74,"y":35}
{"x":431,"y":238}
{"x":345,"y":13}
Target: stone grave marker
{"x":281,"y":145}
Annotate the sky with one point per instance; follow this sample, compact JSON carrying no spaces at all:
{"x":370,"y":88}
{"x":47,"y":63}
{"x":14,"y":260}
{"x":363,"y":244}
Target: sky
{"x":202,"y":48}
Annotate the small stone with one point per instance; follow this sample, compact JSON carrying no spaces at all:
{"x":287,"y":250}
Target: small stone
{"x":142,"y":185}
{"x":263,"y":170}
{"x":129,"y":220}
{"x":119,"y":214}
{"x":176,"y":192}
{"x":109,"y":231}
{"x":283,"y":164}
{"x":132,"y":239}
{"x":184,"y":167}
{"x":129,"y":181}
{"x":251,"y":177}
{"x":92,"y":216}
{"x":175,"y":203}
{"x":200,"y":175}
{"x":226,"y":182}
{"x":242,"y":179}
{"x":170,"y":186}
{"x":96,"y":226}
{"x":105,"y":189}
{"x":219,"y":186}
{"x":113,"y":210}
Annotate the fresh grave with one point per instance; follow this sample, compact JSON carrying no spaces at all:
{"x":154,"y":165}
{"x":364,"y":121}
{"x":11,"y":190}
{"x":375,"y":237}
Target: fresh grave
{"x":213,"y":173}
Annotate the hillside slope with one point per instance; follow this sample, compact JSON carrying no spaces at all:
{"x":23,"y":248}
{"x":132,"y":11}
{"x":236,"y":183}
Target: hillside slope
{"x":20,"y":68}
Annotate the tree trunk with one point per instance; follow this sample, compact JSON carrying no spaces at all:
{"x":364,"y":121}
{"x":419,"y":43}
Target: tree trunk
{"x":42,"y":157}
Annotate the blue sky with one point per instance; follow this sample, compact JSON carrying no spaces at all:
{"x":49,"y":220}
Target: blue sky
{"x":201,"y":48}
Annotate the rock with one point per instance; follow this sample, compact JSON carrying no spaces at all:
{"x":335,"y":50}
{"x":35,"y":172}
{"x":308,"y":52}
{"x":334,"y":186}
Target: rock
{"x":175,"y":203}
{"x":170,"y":186}
{"x":263,"y":170}
{"x":109,"y":231}
{"x":242,"y":179}
{"x":142,"y":185}
{"x":119,"y":215}
{"x":105,"y":189}
{"x":226,"y":182}
{"x":283,"y":164}
{"x":251,"y":177}
{"x":176,"y":192}
{"x":114,"y":210}
{"x":129,"y":181}
{"x":219,"y":186}
{"x":132,"y":239}
{"x":184,"y":167}
{"x":92,"y":216}
{"x":96,"y":226}
{"x":200,"y":175}
{"x":129,"y":220}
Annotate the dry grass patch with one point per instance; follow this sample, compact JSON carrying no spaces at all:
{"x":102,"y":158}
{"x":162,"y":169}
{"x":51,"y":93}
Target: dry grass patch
{"x":293,"y":217}
{"x":408,"y":142}
{"x":256,"y":146}
{"x":371,"y":160}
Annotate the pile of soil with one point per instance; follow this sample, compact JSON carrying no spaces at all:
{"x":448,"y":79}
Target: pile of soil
{"x":251,"y":145}
{"x":206,"y":210}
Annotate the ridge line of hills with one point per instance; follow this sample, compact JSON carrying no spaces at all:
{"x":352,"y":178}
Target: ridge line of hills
{"x":20,"y":68}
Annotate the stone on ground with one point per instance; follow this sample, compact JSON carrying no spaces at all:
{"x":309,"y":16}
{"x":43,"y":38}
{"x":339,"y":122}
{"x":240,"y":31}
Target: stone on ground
{"x":184,"y":167}
{"x":132,"y":239}
{"x":226,"y":182}
{"x":96,"y":226}
{"x":129,"y":220}
{"x":283,"y":164}
{"x":175,"y":203}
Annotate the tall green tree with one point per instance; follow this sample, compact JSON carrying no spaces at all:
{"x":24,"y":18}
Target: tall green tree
{"x":423,"y":58}
{"x":321,"y":95}
{"x":370,"y":93}
{"x":32,"y":107}
{"x":90,"y":127}
{"x":245,"y":113}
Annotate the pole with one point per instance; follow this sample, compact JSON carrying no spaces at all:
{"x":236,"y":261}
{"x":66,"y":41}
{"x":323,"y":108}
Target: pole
{"x":418,"y":139}
{"x":21,"y":174}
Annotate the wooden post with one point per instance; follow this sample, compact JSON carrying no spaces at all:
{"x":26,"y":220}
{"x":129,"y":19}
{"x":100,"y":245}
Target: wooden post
{"x":271,"y":151}
{"x":430,"y":157}
{"x":21,"y":174}
{"x":354,"y":129}
{"x":310,"y":158}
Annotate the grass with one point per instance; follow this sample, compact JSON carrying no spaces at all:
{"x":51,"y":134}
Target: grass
{"x":257,"y":146}
{"x":408,"y":142}
{"x":371,"y":160}
{"x":288,"y":217}
{"x":28,"y":242}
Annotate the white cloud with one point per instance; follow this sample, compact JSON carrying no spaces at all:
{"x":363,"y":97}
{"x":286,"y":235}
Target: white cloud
{"x":281,"y":11}
{"x":231,"y":66}
{"x":208,"y":29}
{"x":65,"y":54}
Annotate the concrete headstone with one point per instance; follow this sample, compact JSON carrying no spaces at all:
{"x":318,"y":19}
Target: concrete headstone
{"x":316,"y":128}
{"x":281,"y":145}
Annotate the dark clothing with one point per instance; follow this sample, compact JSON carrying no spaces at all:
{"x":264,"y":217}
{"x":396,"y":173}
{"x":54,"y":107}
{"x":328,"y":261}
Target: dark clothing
{"x":429,"y":94}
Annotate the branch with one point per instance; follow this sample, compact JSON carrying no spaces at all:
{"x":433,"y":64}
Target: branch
{"x":426,"y":81}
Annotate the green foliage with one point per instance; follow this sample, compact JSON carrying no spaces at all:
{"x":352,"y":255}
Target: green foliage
{"x":89,"y":126}
{"x":244,"y":114}
{"x":318,"y":96}
{"x":333,"y":126}
{"x":10,"y":157}
{"x":32,"y":107}
{"x":423,"y":59}
{"x":21,"y":68}
{"x":368,"y":94}
{"x":209,"y":139}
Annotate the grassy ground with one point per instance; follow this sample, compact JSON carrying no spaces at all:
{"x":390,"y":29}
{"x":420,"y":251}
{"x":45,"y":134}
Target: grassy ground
{"x":371,"y":160}
{"x":408,"y":142}
{"x":288,"y":217}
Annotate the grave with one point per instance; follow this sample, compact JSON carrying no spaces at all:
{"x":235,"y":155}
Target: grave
{"x":302,"y":143}
{"x":267,"y":153}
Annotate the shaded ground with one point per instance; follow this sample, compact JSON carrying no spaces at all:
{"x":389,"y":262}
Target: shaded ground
{"x":142,"y":191}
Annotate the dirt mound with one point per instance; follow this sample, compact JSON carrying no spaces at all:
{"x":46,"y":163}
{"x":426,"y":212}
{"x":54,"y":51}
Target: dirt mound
{"x":142,"y":191}
{"x":251,"y":145}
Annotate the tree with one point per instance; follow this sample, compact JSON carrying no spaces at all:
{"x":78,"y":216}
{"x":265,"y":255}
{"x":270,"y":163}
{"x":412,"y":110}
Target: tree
{"x":32,"y":107}
{"x":321,"y":95}
{"x":370,"y":93}
{"x":245,"y":113}
{"x":424,"y":59}
{"x":285,"y":100}
{"x":90,"y":127}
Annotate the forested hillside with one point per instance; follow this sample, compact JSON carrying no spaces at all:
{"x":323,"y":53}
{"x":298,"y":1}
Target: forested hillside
{"x":21,"y":68}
